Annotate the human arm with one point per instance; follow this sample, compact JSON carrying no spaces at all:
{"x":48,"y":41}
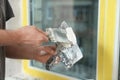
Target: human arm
{"x":29,"y":35}
{"x":29,"y":52}
{"x":25,"y":43}
{"x":8,"y":37}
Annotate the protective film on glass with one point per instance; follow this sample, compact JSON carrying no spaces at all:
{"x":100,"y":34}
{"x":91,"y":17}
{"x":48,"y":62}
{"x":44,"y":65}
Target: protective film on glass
{"x":67,"y":50}
{"x":82,"y":17}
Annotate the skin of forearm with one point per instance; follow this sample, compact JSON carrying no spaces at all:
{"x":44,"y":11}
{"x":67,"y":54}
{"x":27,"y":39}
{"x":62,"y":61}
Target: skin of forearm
{"x":18,"y":52}
{"x":8,"y":37}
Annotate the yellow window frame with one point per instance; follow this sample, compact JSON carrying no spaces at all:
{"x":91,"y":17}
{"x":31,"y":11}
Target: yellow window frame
{"x":106,"y":36}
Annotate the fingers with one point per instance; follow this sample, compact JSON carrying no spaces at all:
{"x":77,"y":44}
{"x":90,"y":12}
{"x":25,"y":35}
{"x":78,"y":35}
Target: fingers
{"x":52,"y":47}
{"x":44,"y":33}
{"x":44,"y":53}
{"x":41,"y":34}
{"x":43,"y":58}
{"x":44,"y":39}
{"x":47,"y":50}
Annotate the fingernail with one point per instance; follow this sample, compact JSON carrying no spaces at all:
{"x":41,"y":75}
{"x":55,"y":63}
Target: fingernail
{"x":42,"y":53}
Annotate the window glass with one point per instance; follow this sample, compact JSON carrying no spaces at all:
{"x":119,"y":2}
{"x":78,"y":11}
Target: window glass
{"x":82,"y":16}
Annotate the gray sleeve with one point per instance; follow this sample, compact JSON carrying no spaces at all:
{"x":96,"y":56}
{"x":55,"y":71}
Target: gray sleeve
{"x":9,"y":12}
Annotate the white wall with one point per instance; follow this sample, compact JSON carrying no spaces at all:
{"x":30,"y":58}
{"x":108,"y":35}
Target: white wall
{"x":15,"y":22}
{"x":14,"y":66}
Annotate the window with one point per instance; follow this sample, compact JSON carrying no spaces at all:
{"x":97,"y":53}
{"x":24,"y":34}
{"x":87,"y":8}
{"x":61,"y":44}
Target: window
{"x":82,"y":16}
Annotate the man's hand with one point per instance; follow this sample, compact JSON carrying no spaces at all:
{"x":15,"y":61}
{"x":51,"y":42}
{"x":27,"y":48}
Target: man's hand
{"x":31,"y":36}
{"x":28,"y":35}
{"x":42,"y":53}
